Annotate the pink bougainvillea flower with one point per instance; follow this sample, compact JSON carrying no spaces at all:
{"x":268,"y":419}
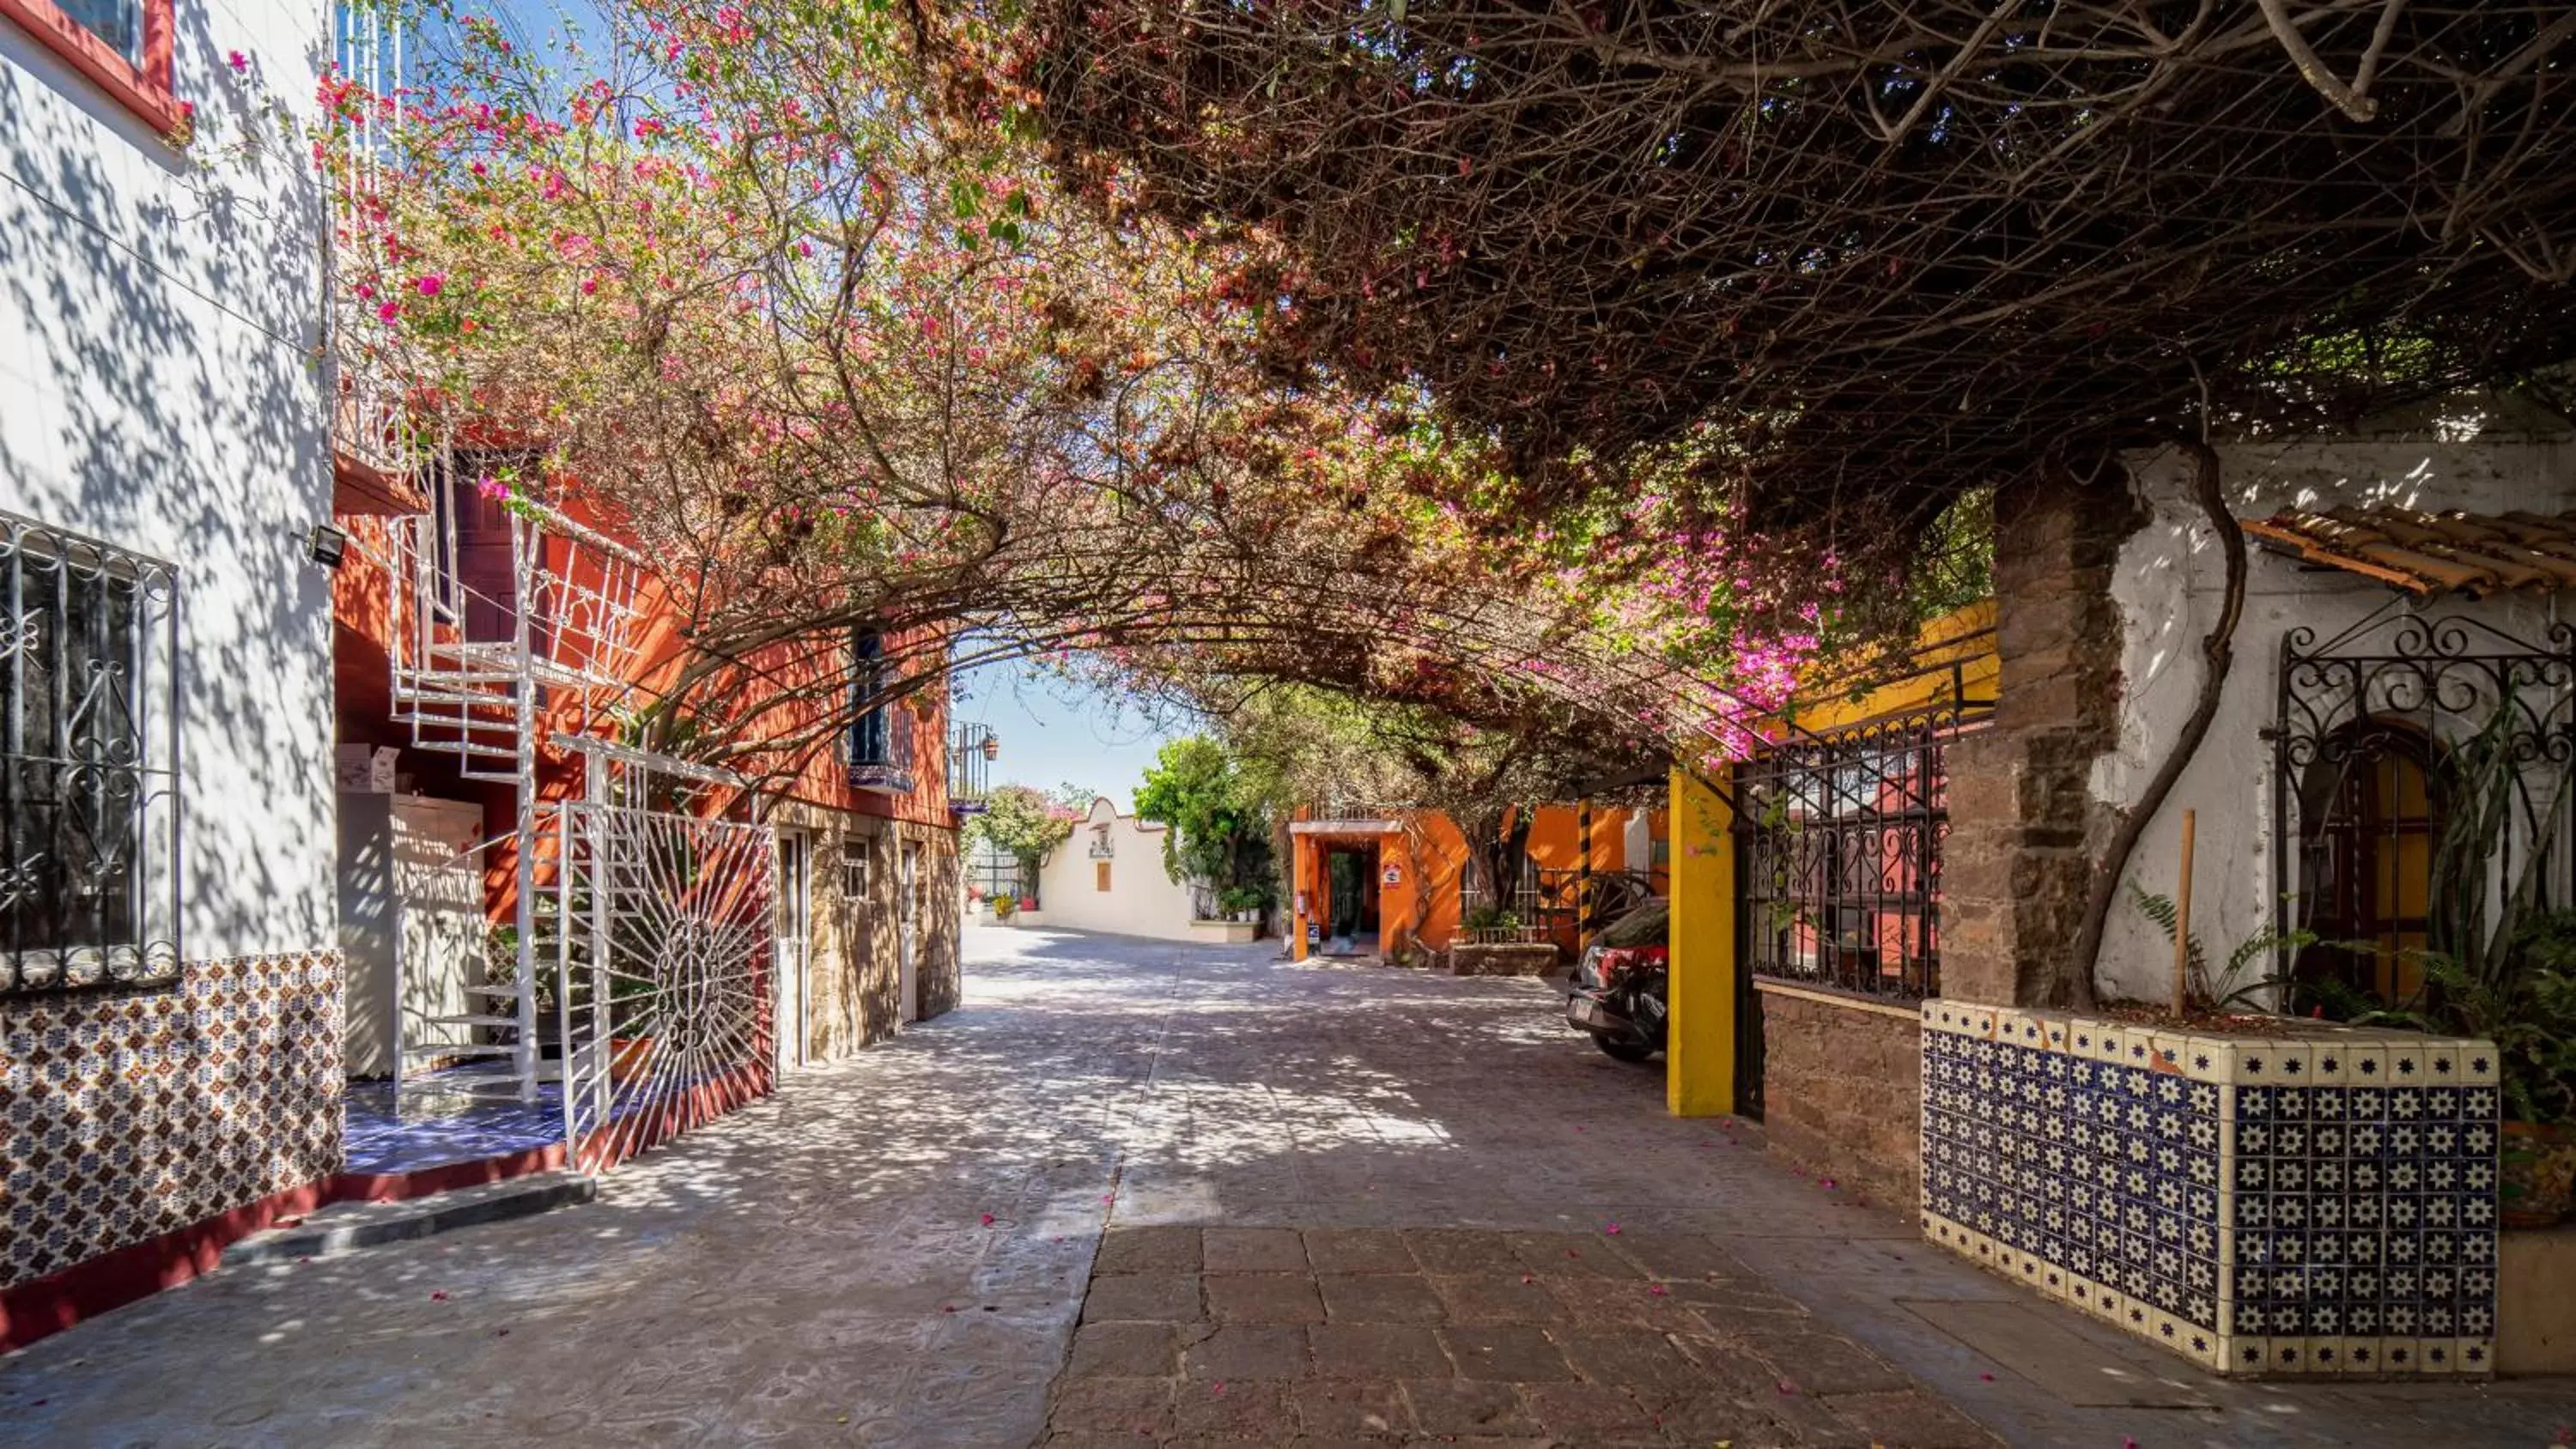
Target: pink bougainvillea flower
{"x":491,"y":487}
{"x":388,"y":312}
{"x":1657,"y":1290}
{"x":438,"y":1296}
{"x":1612,"y":1230}
{"x":431,"y":285}
{"x":238,"y":61}
{"x":988,"y":1220}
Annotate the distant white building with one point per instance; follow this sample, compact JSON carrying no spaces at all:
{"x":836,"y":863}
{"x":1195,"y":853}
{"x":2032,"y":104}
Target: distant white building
{"x":1110,"y":877}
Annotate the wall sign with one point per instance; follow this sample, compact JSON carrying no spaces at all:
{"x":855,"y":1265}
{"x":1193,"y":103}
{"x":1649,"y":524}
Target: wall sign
{"x":1394,"y":874}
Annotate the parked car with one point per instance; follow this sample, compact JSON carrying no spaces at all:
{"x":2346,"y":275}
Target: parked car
{"x":1621,"y":986}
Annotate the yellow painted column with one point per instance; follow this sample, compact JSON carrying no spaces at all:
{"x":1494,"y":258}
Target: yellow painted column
{"x":1699,"y":1050}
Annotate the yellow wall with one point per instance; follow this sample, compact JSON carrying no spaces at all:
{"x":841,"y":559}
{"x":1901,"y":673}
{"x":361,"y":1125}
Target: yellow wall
{"x":1699,"y":1070}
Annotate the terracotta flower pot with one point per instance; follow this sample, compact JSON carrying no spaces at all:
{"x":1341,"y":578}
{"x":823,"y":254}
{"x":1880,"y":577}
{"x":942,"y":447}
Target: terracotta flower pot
{"x":2537,"y":1162}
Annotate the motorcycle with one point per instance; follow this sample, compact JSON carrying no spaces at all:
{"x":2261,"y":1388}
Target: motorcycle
{"x":1619,"y":996}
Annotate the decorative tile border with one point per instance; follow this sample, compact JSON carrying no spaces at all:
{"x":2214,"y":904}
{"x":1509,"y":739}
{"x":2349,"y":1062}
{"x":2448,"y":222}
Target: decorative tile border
{"x":2321,"y":1203}
{"x":135,"y":1115}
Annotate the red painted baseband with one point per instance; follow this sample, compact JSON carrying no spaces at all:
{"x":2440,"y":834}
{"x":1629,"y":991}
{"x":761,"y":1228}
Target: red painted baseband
{"x":51,"y":1304}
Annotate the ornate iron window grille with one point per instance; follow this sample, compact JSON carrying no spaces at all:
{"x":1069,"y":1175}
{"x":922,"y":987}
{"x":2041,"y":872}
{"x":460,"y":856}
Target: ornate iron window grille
{"x":89,"y":763}
{"x":1838,"y":856}
{"x":2368,"y":765}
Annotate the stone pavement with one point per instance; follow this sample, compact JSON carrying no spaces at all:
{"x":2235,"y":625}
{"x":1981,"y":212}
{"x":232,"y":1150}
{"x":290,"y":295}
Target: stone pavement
{"x":1461,"y":1335}
{"x":819,"y":1270}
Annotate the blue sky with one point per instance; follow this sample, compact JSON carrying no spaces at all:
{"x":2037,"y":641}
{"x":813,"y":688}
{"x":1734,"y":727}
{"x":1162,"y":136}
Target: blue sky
{"x":1054,"y":732}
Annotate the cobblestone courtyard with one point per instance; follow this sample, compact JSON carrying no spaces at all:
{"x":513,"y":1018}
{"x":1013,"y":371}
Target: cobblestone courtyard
{"x":1144,"y":1193}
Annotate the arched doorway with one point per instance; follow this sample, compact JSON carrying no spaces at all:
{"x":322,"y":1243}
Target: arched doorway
{"x":2370,"y":819}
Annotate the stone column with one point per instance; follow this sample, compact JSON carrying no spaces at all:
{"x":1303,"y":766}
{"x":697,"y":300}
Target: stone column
{"x":2024,"y":826}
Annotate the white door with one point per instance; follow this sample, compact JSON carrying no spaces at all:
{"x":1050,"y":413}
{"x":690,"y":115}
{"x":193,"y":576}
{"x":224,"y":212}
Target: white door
{"x":908,"y":939}
{"x":795,"y":943}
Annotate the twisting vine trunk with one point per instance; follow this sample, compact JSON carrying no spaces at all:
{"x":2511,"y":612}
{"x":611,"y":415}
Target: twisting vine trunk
{"x":2218,"y":654}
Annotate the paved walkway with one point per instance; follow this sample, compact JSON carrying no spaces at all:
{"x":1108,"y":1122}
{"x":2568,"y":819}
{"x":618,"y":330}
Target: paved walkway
{"x":819,"y":1270}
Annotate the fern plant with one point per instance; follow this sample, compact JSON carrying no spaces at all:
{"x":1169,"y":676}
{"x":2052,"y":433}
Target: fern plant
{"x":2228,"y":989}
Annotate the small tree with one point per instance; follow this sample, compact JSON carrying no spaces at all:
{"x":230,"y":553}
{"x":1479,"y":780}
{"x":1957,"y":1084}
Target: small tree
{"x":1219,"y":831}
{"x":1020,"y":822}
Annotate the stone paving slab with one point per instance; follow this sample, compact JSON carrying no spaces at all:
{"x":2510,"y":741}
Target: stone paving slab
{"x":817,"y":1271}
{"x":1388,"y":1359}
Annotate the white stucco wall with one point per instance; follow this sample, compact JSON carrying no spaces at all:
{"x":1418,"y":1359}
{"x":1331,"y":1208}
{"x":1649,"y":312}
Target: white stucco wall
{"x":2169,"y":585}
{"x":1141,"y":900}
{"x":158,"y":320}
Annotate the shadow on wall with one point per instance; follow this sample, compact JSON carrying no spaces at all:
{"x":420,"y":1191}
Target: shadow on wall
{"x":160,"y":324}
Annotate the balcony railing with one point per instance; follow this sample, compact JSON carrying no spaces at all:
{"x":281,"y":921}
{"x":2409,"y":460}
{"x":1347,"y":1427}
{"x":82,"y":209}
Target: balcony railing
{"x":970,"y":767}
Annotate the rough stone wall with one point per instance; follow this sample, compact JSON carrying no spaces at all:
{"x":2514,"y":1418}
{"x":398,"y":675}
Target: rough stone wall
{"x":1502,"y":959}
{"x":2024,"y":823}
{"x":854,"y":986}
{"x":130,"y":1115}
{"x":1842,"y":1095}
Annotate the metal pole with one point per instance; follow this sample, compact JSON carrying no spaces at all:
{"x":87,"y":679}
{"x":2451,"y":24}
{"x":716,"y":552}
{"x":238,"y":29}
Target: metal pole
{"x":1582,"y":876}
{"x":526,"y":709}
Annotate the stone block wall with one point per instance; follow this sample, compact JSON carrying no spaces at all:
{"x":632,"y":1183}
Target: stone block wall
{"x":1842,"y":1092}
{"x":128,"y":1115}
{"x":1512,"y":958}
{"x":2025,"y":828}
{"x":855,"y":982}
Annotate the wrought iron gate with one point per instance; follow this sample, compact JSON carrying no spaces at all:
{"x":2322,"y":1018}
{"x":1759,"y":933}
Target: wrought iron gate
{"x":663,"y":932}
{"x":2421,"y":774}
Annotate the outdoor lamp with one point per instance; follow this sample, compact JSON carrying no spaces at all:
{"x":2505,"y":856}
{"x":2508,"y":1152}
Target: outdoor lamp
{"x":992,"y":747}
{"x":327,"y":544}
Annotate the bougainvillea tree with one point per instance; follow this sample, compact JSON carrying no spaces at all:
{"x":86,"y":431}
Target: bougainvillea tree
{"x":716,"y":281}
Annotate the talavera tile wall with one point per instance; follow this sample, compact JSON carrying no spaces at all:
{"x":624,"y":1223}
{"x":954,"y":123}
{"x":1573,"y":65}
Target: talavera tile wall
{"x":2317,"y":1203}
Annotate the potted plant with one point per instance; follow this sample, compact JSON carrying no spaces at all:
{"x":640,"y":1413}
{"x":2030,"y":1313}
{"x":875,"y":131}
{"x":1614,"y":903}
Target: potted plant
{"x":2528,"y":1009}
{"x":1004,"y":907}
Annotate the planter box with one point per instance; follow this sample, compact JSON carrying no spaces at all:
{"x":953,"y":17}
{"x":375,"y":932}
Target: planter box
{"x":1232,"y":933}
{"x":1027,"y":918}
{"x":2308,"y":1204}
{"x":1502,"y":958}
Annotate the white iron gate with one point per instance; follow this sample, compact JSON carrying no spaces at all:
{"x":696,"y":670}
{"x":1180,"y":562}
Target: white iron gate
{"x":663,"y":934}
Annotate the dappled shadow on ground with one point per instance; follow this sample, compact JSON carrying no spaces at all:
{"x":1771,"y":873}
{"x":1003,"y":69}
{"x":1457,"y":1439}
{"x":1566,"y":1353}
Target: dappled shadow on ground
{"x":820,"y":1268}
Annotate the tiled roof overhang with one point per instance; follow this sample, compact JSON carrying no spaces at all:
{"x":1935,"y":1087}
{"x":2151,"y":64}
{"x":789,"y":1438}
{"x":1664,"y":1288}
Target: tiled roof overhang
{"x":2470,"y":554}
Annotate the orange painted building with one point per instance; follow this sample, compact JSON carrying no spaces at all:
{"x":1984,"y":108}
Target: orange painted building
{"x":867,"y":854}
{"x":1393,"y":884}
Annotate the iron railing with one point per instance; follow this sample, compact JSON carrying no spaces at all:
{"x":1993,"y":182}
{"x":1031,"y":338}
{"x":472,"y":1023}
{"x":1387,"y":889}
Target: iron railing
{"x":1838,"y":856}
{"x":970,"y":769}
{"x":2422,"y":773}
{"x":89,"y":763}
{"x":994,"y":874}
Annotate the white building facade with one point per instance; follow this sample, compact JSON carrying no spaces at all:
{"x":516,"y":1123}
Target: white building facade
{"x":1109,"y":876}
{"x":169,"y":979}
{"x":2404,"y":584}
